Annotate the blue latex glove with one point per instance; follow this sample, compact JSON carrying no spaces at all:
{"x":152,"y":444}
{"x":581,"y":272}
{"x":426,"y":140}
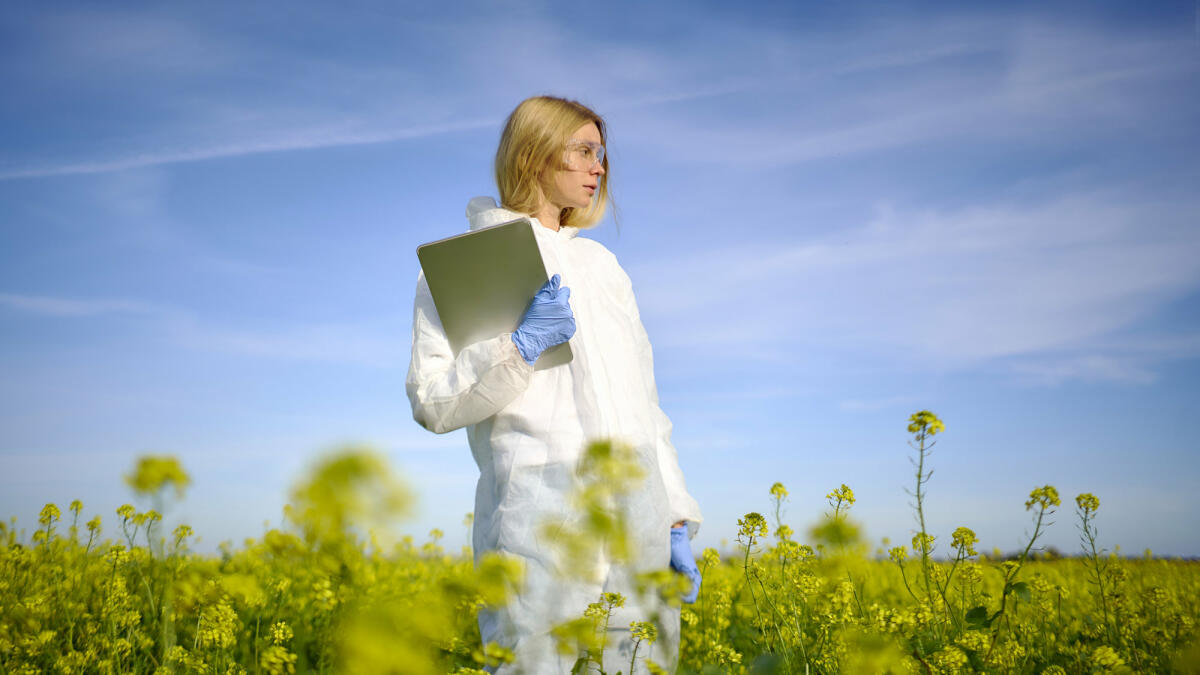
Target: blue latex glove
{"x":548,"y":321}
{"x":684,"y":562}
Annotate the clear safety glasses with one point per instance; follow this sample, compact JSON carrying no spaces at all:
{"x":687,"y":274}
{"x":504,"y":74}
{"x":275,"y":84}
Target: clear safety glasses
{"x":583,"y":155}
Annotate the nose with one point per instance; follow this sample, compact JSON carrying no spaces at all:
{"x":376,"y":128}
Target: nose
{"x":597,"y":169}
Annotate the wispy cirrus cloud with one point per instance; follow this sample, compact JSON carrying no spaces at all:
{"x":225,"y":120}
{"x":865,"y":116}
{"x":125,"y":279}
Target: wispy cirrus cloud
{"x":982,"y":68}
{"x":363,"y":343}
{"x":1017,"y":80}
{"x":347,"y":343}
{"x":301,"y":140}
{"x":75,"y":307}
{"x":959,"y":287}
{"x":857,"y":404}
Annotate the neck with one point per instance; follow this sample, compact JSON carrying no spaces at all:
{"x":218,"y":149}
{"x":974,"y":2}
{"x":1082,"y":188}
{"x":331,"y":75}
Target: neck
{"x":548,"y":215}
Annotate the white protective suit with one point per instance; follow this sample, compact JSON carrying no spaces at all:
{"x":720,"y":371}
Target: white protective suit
{"x":527,"y":430}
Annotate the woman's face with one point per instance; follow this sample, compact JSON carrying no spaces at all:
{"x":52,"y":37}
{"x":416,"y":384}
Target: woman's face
{"x":572,"y":183}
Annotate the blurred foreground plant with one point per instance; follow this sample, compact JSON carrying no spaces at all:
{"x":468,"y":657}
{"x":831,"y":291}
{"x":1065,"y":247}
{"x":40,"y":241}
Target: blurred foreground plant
{"x":326,"y":595}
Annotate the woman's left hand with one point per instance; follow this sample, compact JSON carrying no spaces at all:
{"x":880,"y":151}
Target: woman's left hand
{"x":684,"y":562}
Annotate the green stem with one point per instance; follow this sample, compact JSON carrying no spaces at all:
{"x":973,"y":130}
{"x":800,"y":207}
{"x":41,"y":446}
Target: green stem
{"x":1099,"y":571}
{"x":904,"y":578}
{"x":921,"y":512}
{"x":1008,"y":580}
{"x":750,"y":586}
{"x":778,"y":634}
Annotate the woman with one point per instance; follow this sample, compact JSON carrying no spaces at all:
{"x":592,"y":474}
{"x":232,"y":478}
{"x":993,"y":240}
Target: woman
{"x":527,"y":428}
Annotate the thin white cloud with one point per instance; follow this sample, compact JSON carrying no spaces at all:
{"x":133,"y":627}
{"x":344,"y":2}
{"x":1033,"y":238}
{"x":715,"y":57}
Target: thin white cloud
{"x":1039,"y":81}
{"x":1087,"y":79}
{"x":1087,"y":368}
{"x":955,"y":287}
{"x":302,"y":140}
{"x":872,"y":404}
{"x":332,"y":342}
{"x":1132,"y":360}
{"x":73,"y":307}
{"x":363,"y":102}
{"x":336,"y":342}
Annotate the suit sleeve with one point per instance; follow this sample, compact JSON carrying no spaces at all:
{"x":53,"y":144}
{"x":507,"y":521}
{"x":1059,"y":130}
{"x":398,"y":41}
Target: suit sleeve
{"x":683,"y":506}
{"x":449,"y":392}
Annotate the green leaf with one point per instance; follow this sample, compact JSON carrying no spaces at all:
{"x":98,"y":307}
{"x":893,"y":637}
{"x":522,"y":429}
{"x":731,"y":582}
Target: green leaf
{"x":977,"y":617}
{"x":975,"y":660}
{"x":766,"y":664}
{"x":1021,"y":589}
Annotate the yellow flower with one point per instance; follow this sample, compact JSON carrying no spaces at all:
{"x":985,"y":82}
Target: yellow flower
{"x":152,"y":473}
{"x":50,"y":513}
{"x":1156,"y":597}
{"x":922,"y":543}
{"x":1105,"y":658}
{"x":836,"y":531}
{"x":644,"y":631}
{"x":1009,"y":568}
{"x":613,"y":600}
{"x":1046,"y":496}
{"x":752,"y":525}
{"x":353,"y":487}
{"x":280,"y":632}
{"x":277,"y":660}
{"x":493,"y":655}
{"x":842,"y":495}
{"x":575,"y":636}
{"x":117,"y":554}
{"x":778,"y":491}
{"x":595,"y":611}
{"x":964,"y":538}
{"x":1088,"y":502}
{"x":974,"y":640}
{"x":925,"y":422}
{"x":218,"y":626}
{"x":971,"y":573}
{"x":949,"y":660}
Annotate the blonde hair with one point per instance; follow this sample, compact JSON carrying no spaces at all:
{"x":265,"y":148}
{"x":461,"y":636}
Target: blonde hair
{"x":532,"y":146}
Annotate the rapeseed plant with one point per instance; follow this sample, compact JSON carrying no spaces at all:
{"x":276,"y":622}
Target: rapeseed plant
{"x":924,"y":425}
{"x":1088,"y":504}
{"x":334,"y":591}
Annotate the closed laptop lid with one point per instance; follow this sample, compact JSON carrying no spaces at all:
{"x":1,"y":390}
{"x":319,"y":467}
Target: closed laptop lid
{"x":483,"y":281}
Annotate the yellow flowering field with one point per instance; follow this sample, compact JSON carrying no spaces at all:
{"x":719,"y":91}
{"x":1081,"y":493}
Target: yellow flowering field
{"x":330,"y":593}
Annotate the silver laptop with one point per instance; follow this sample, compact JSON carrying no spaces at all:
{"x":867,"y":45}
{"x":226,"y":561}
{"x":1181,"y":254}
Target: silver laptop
{"x":483,"y":281}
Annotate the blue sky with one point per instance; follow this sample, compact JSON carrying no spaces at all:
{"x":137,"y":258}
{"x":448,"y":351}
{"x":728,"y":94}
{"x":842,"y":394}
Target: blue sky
{"x":833,"y":216}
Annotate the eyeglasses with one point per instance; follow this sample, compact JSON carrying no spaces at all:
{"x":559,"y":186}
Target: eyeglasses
{"x":583,"y":155}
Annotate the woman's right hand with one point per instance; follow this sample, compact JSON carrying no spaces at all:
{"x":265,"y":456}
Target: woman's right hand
{"x":548,"y":321}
